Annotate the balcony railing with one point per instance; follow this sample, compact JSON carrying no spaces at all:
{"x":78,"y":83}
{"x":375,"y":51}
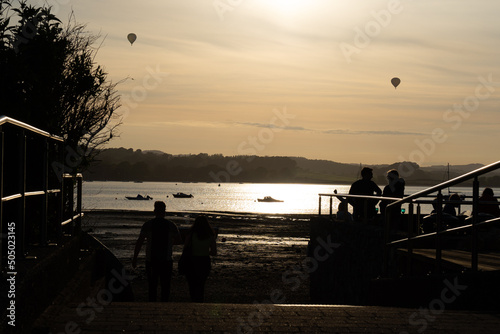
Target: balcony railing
{"x":473,"y":227}
{"x":431,"y":195}
{"x":37,"y":200}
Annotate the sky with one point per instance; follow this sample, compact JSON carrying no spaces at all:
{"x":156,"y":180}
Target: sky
{"x":308,"y":78}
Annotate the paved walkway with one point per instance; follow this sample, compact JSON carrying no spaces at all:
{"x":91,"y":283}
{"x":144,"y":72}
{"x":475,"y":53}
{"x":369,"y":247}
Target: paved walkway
{"x":267,"y":318}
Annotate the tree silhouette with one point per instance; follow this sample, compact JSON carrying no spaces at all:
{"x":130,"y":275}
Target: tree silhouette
{"x":50,"y":80}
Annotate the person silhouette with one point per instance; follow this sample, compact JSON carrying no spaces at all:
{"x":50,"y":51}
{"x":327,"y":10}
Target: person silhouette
{"x":364,"y":186}
{"x":488,"y":204}
{"x":201,"y":243}
{"x":342,"y":213}
{"x":394,"y":188}
{"x":160,"y":235}
{"x":452,"y":203}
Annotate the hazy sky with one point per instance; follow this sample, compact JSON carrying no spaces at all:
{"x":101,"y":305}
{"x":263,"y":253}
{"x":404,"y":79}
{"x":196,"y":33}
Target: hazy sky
{"x":304,"y":77}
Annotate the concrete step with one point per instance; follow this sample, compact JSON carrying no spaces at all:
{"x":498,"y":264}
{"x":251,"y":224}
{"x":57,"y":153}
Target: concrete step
{"x":264,"y":318}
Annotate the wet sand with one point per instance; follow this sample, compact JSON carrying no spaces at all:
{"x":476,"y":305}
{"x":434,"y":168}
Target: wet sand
{"x":260,"y":257}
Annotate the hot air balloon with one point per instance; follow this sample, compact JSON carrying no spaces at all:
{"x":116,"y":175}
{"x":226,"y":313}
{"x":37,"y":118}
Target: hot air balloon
{"x":395,"y":82}
{"x":131,"y":38}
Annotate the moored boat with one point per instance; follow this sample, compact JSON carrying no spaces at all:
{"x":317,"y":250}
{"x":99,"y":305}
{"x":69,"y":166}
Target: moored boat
{"x":268,"y":199}
{"x":182,"y":195}
{"x":139,"y":197}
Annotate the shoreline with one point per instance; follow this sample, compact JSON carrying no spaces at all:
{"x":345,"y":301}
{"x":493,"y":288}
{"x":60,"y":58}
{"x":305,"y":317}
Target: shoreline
{"x":230,"y":214}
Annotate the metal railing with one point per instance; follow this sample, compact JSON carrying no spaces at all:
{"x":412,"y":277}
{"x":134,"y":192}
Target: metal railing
{"x":343,"y":197}
{"x":414,"y":231}
{"x":440,"y":230}
{"x":36,"y":199}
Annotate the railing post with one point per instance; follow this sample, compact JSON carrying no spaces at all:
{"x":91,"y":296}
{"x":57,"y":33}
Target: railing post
{"x":418,"y":218}
{"x":45,"y":199}
{"x":475,"y":200}
{"x":319,"y":208}
{"x":387,"y":228}
{"x":1,"y":194}
{"x":21,"y":227}
{"x":72,"y":205}
{"x":439,"y":218}
{"x":385,"y":263}
{"x":62,"y":194}
{"x":410,"y":235}
{"x":79,"y":183}
{"x":331,"y":206}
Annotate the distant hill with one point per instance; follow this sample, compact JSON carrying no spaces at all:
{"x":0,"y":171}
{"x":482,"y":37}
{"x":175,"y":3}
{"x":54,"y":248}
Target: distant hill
{"x":453,"y":169}
{"x":121,"y":164}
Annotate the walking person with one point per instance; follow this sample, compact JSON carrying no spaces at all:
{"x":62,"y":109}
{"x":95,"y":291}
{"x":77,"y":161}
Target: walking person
{"x":160,"y":235}
{"x":201,"y":244}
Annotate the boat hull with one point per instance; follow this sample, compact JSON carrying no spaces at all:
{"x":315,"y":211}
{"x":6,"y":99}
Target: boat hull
{"x":138,"y":198}
{"x":269,"y":200}
{"x":182,"y":195}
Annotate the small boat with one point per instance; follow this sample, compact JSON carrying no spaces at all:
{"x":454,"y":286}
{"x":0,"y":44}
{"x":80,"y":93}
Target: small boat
{"x":139,"y":198}
{"x":268,"y":199}
{"x":182,"y":195}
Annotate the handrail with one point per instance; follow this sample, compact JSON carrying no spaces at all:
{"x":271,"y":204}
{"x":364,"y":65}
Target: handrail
{"x":363,"y":196}
{"x":450,"y":183}
{"x":439,"y":230}
{"x":11,"y":197}
{"x":9,"y":120}
{"x":29,"y":193}
{"x":72,"y":219}
{"x":21,"y":195}
{"x":454,"y":229}
{"x":342,"y":197}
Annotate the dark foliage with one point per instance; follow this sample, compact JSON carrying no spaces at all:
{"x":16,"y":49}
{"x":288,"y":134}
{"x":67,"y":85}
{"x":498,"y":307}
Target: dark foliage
{"x":50,"y":80}
{"x":120,"y":164}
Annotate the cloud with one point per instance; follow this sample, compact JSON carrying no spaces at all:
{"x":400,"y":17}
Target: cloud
{"x":229,"y":124}
{"x":270,"y":126}
{"x":331,"y":131}
{"x":372,"y":132}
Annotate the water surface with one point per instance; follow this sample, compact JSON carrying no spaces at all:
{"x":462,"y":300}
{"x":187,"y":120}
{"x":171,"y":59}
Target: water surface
{"x":226,"y":197}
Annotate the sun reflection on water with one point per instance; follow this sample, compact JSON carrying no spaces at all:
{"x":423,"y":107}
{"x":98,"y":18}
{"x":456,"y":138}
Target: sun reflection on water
{"x":264,"y":240}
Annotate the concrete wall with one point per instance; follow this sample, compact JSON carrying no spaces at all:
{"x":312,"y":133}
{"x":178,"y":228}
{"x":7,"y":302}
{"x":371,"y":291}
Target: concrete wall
{"x":357,"y":258}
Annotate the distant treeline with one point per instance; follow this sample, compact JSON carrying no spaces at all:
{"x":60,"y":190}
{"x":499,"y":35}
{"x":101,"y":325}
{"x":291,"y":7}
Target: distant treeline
{"x":120,"y":164}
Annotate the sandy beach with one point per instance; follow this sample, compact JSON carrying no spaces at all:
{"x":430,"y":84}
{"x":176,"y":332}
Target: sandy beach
{"x":258,"y":255}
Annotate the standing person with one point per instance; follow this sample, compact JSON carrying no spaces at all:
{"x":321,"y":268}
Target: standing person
{"x":488,"y":204}
{"x":394,"y":188}
{"x":200,"y":241}
{"x":364,"y":186}
{"x":160,"y":234}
